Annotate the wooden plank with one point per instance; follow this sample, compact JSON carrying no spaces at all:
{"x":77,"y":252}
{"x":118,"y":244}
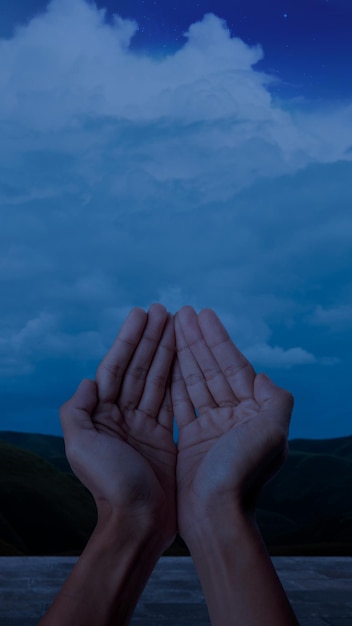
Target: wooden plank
{"x":319,"y":588}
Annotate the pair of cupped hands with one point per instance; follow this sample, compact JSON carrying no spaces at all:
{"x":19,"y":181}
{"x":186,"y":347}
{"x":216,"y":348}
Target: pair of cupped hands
{"x":233,"y":424}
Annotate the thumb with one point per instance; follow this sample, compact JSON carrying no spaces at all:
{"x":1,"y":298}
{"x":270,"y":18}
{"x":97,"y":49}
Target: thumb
{"x":76,"y":413}
{"x":270,"y":396}
{"x":275,"y":402}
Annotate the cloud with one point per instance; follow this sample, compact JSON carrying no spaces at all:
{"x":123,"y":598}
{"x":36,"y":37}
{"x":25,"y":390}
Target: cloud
{"x":336,"y":319}
{"x":95,"y":73}
{"x":41,"y":339}
{"x":274,"y":356}
{"x":127,"y":178}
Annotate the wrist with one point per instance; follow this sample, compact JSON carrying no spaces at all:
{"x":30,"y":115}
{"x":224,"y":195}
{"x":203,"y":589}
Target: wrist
{"x":104,"y":570}
{"x":236,"y":573}
{"x":115,"y":565}
{"x":205,"y":521}
{"x":134,"y":527}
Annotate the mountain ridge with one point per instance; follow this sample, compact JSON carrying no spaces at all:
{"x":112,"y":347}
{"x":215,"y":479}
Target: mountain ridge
{"x":45,"y":510}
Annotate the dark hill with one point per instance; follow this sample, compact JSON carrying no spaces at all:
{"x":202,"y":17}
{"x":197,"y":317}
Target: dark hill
{"x":44,"y":509}
{"x":341,"y":446}
{"x":48,"y":447}
{"x":313,"y":491}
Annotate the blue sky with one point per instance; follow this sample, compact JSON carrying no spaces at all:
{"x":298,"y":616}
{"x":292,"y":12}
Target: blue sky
{"x":191,"y":155}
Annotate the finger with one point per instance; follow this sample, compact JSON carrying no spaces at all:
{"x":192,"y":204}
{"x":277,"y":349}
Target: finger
{"x":209,"y":367}
{"x":274,"y":400}
{"x":137,"y":370}
{"x":183,"y":408}
{"x":76,"y":413}
{"x":166,"y":415}
{"x":234,"y":365}
{"x":111,"y":370}
{"x":197,"y":387}
{"x":158,"y":374}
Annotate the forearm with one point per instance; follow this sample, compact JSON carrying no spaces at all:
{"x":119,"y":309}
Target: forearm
{"x":238,"y":579}
{"x":108,"y":579}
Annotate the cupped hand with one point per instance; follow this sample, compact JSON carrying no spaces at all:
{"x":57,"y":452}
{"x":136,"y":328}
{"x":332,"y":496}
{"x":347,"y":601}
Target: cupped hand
{"x":119,"y":429}
{"x":233,"y":424}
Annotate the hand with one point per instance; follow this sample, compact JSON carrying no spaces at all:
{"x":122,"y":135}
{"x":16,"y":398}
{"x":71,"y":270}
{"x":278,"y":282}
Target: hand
{"x":119,"y":429}
{"x":239,"y":439}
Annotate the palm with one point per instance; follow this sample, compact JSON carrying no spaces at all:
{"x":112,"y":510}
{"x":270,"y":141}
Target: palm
{"x":153,"y":442}
{"x":220,"y":436}
{"x":138,"y":458}
{"x":125,"y":454}
{"x":238,"y":440}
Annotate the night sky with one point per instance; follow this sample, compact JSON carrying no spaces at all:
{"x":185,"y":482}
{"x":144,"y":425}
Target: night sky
{"x":191,"y":153}
{"x":307,"y":43}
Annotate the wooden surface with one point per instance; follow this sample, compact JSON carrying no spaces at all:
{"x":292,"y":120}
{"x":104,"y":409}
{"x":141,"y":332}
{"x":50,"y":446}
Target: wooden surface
{"x":319,"y":589}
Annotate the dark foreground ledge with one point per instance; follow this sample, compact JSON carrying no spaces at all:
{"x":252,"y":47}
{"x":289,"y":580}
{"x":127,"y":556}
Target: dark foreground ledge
{"x":319,"y":588}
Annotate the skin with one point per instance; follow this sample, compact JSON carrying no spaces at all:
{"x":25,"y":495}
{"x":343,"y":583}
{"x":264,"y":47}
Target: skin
{"x":121,"y":446}
{"x":239,"y":439}
{"x":237,"y":442}
{"x":233,"y":427}
{"x":118,"y":434}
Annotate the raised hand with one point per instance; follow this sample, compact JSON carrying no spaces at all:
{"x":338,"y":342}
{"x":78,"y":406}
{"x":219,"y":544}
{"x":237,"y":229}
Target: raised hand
{"x":233,"y":424}
{"x":119,"y":440}
{"x":119,"y":429}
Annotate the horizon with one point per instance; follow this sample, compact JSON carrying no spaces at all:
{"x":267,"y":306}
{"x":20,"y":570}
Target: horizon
{"x":290,"y":439}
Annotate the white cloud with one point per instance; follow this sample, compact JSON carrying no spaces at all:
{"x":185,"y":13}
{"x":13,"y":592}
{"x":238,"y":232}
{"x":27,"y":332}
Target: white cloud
{"x":265,"y":355}
{"x":127,"y":179}
{"x":48,"y":86}
{"x":213,"y":109}
{"x":96,"y":73}
{"x":42,"y":338}
{"x":274,"y":356}
{"x":336,"y":318}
